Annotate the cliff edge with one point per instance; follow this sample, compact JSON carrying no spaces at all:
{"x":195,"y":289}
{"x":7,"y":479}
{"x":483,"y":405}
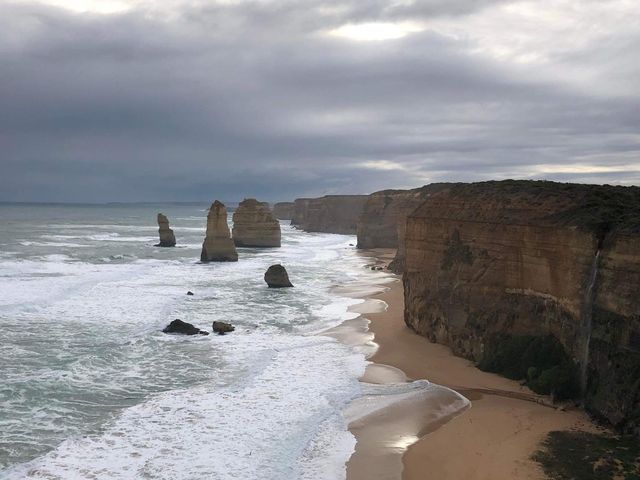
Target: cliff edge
{"x":384,"y":218}
{"x":500,"y":269}
{"x":329,"y":214}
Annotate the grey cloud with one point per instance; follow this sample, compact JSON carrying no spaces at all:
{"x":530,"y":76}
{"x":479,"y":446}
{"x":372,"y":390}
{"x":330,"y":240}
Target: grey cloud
{"x":228,"y":101}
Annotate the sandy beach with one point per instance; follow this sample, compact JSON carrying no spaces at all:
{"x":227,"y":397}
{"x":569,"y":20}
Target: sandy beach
{"x":493,"y":438}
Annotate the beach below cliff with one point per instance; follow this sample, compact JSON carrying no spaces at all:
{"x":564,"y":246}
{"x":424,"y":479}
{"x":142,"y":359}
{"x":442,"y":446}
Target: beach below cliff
{"x":494,"y":437}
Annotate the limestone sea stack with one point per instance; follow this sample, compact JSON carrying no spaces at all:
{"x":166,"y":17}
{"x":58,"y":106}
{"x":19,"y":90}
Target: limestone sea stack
{"x":276,"y":277}
{"x":254,"y":225}
{"x":167,"y":238}
{"x":217,"y":245}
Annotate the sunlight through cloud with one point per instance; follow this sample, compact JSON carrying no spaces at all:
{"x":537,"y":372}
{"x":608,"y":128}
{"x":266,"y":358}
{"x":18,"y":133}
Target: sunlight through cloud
{"x":376,"y":31}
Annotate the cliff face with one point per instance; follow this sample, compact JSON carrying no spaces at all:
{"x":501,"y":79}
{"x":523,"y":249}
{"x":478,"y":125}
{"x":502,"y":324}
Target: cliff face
{"x":534,"y":258}
{"x":254,"y":225}
{"x":329,"y":214}
{"x":383,"y":220}
{"x":284,"y":210}
{"x":217,"y":245}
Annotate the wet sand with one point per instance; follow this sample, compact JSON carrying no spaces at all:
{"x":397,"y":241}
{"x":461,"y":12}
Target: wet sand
{"x":419,"y":440}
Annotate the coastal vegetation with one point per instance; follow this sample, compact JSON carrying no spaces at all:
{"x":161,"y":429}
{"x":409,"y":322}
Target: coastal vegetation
{"x":539,"y":361}
{"x":567,"y":455}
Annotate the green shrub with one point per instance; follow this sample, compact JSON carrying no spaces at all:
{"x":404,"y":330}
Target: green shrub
{"x":541,"y":361}
{"x":581,"y":455}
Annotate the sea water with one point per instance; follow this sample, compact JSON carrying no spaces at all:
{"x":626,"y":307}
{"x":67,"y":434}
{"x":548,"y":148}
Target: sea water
{"x":90,"y":387}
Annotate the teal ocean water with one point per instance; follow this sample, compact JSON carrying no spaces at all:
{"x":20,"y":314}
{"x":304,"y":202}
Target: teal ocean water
{"x":91,"y":388}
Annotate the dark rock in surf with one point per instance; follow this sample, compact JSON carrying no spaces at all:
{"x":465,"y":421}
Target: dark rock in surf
{"x":222,"y":327}
{"x":276,"y":277}
{"x":183,"y":328}
{"x":189,"y":293}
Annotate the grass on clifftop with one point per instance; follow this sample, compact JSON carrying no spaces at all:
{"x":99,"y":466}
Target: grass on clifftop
{"x":597,"y":208}
{"x":589,"y":456}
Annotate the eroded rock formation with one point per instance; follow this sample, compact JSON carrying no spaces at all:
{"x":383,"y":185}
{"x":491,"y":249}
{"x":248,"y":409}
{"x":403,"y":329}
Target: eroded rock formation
{"x":276,"y":276}
{"x":384,"y":216}
{"x":167,"y":238}
{"x":284,"y":210}
{"x":492,"y":260}
{"x":218,"y":245}
{"x":329,"y":214}
{"x":254,"y":225}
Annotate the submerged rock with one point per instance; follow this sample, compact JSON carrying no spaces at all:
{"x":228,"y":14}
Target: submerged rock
{"x":183,"y":328}
{"x":217,"y":245}
{"x":222,"y":327}
{"x":276,"y":277}
{"x":254,"y":225}
{"x":167,"y":238}
{"x":189,"y":293}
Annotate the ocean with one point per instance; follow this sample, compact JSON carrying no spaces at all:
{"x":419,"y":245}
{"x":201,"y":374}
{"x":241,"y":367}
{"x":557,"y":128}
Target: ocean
{"x":91,"y":388}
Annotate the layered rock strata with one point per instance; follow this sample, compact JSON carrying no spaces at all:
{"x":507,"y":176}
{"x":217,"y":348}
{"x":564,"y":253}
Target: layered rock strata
{"x":496,"y":259}
{"x":218,"y":245}
{"x":384,"y":216}
{"x":283,"y":210}
{"x":329,"y":214}
{"x":255,"y":226}
{"x":167,"y":238}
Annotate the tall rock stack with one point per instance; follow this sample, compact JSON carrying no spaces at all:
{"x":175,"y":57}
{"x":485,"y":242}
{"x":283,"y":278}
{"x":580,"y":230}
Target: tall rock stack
{"x":217,"y":245}
{"x":255,"y":226}
{"x":167,"y":238}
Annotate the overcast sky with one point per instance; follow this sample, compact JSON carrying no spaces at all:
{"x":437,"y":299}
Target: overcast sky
{"x":142,"y":100}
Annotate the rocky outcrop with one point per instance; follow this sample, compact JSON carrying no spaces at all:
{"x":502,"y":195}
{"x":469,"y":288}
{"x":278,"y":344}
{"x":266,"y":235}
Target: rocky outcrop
{"x":383,"y":220}
{"x":276,"y":276}
{"x":218,"y":245}
{"x":183,"y":328}
{"x":329,"y":214}
{"x":254,"y":225}
{"x":222,"y":327}
{"x":497,"y":260}
{"x":167,"y":238}
{"x":284,"y":210}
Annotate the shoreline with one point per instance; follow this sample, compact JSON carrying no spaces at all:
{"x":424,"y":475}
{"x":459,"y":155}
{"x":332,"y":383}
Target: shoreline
{"x":493,"y":437}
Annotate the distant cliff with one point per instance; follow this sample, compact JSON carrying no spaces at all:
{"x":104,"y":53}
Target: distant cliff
{"x":329,"y":214}
{"x":283,"y":210}
{"x":493,"y":267}
{"x":383,"y":220}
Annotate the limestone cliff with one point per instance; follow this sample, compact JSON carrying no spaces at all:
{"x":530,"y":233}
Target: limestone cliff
{"x":167,"y":238}
{"x":496,"y":259}
{"x":283,"y":210}
{"x":217,"y":245}
{"x":329,"y":214}
{"x":254,"y":225}
{"x":383,"y":220}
